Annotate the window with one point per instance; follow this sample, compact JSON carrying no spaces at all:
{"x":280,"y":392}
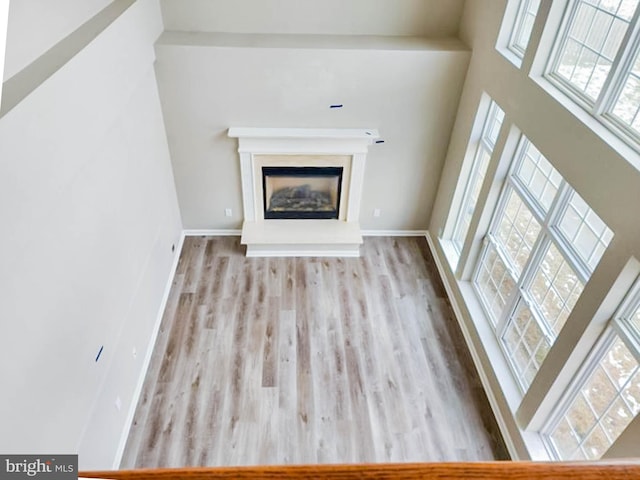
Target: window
{"x":543,"y":243}
{"x":490,"y":129}
{"x":523,"y":26}
{"x":606,"y":397}
{"x":596,"y":61}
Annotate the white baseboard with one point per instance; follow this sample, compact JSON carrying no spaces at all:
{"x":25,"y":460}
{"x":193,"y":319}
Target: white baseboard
{"x":365,"y":233}
{"x":147,"y":358}
{"x":205,"y":232}
{"x":394,"y":233}
{"x":497,"y":412}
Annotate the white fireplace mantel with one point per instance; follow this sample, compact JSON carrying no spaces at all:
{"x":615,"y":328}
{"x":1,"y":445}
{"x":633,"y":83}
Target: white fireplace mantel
{"x":340,"y":237}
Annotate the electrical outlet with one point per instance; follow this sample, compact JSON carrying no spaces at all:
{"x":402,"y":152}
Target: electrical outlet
{"x":376,"y":212}
{"x":227,"y":212}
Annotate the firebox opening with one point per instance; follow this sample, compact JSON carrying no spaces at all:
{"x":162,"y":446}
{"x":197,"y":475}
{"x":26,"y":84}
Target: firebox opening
{"x":301,"y":192}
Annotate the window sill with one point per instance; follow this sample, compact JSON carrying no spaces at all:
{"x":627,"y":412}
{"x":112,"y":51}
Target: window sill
{"x":514,"y":59}
{"x":450,"y":253}
{"x":498,"y":365}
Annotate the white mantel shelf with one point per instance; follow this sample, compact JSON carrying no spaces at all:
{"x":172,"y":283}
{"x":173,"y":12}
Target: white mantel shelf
{"x":308,"y":133}
{"x":337,"y":238}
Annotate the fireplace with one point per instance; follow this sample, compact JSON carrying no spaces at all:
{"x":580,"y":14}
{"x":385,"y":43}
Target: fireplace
{"x":301,"y":192}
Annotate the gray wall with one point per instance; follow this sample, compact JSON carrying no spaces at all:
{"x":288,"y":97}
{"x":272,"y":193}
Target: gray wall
{"x":408,"y":88}
{"x":89,"y":215}
{"x":429,"y":18}
{"x":36,"y":25}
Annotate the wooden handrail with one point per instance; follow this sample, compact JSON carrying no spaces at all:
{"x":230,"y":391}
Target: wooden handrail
{"x":437,"y":471}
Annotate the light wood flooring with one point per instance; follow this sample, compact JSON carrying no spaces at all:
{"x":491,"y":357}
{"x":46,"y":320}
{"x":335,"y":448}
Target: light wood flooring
{"x":309,"y":360}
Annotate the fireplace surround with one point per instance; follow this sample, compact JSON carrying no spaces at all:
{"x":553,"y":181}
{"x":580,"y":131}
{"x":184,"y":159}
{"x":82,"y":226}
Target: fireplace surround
{"x":311,"y":216}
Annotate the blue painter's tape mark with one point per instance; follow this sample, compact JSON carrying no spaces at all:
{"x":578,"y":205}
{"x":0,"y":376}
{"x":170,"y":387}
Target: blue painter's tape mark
{"x":99,"y":353}
{"x":338,"y":105}
{"x":379,"y":141}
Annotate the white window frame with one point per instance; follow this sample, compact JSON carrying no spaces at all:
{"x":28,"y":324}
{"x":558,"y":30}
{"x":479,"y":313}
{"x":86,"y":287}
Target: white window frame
{"x":518,"y":24}
{"x":618,"y":327}
{"x":602,"y":108}
{"x":549,"y":234}
{"x":485,"y":145}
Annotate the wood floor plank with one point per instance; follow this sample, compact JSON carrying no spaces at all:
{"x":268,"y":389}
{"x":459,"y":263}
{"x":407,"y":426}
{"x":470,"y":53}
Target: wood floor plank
{"x":287,"y":389}
{"x":305,"y":360}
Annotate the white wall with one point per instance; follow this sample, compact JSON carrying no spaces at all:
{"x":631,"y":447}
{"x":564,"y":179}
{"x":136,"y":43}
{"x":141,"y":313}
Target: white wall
{"x":4,"y":20}
{"x":36,"y":25}
{"x":89,"y":216}
{"x":407,"y":88}
{"x":599,"y":171}
{"x":431,"y":18}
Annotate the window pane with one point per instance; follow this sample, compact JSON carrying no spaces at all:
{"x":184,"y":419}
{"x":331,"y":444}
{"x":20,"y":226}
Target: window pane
{"x":591,"y":43}
{"x":492,"y":125}
{"x":627,"y":104}
{"x":627,"y":8}
{"x":615,"y":420}
{"x":564,"y":439}
{"x":581,"y":417}
{"x":596,"y":443}
{"x":555,"y":289}
{"x":490,"y":129}
{"x":525,"y":343}
{"x":538,"y":176}
{"x":601,"y":392}
{"x":568,"y":59}
{"x":517,"y":231}
{"x":619,"y":363}
{"x":604,"y":406}
{"x":494,"y":283}
{"x":585,"y":231}
{"x":471,"y":196}
{"x":524,"y":25}
{"x":631,"y":394}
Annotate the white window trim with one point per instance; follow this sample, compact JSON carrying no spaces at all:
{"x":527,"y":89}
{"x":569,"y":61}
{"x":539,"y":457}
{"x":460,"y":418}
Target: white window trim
{"x":517,"y":26}
{"x":506,"y":33}
{"x":586,"y":369}
{"x":512,"y":22}
{"x":480,"y":151}
{"x":618,"y":327}
{"x":549,"y":234}
{"x":483,"y":145}
{"x":600,"y":109}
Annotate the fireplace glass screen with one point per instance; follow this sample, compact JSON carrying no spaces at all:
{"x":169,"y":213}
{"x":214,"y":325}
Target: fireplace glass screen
{"x":301,"y":192}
